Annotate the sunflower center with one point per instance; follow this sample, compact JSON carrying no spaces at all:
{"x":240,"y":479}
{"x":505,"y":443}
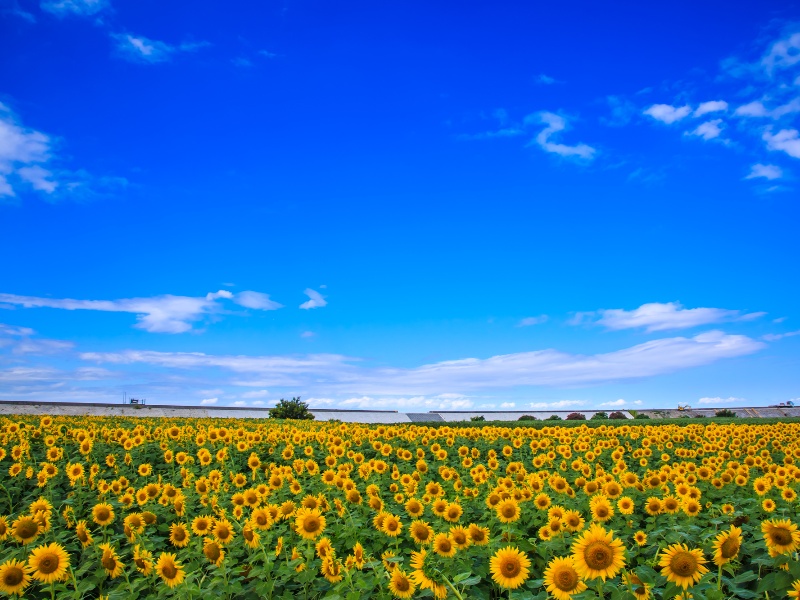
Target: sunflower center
{"x":477,"y":536}
{"x":48,"y":564}
{"x":179,"y":534}
{"x":223,"y":533}
{"x":511,"y":567}
{"x":13,"y":576}
{"x":683,"y":564}
{"x":640,"y":590}
{"x":169,"y":570}
{"x":27,"y":529}
{"x":109,"y":563}
{"x":459,"y":538}
{"x":402,"y":584}
{"x":781,"y":537}
{"x":212,"y":552}
{"x":566,"y":579}
{"x":598,"y":556}
{"x":509,"y":511}
{"x":729,"y":548}
{"x":248,"y":534}
{"x":102,"y":513}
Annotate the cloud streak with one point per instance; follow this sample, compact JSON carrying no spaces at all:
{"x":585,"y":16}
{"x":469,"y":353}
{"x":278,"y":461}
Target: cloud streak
{"x":554,"y":124}
{"x":157,"y":314}
{"x":141,"y":49}
{"x":656,"y":316}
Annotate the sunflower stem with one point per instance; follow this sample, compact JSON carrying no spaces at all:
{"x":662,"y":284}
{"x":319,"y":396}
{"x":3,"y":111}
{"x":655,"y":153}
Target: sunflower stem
{"x":719,"y":578}
{"x":600,"y":590}
{"x":455,"y":591}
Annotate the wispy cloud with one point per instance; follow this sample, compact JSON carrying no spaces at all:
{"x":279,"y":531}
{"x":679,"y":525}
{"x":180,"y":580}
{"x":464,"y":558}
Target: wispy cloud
{"x":528,"y":321}
{"x":209,"y":401}
{"x":28,"y":163}
{"x":315,"y":300}
{"x":21,"y":340}
{"x":657,"y":316}
{"x":138,"y":48}
{"x":708,"y":130}
{"x":710,"y":107}
{"x":717,"y":401}
{"x":766,"y":171}
{"x":344,"y":375}
{"x":81,"y":8}
{"x":157,"y":314}
{"x":783,"y":54}
{"x":554,"y":124}
{"x":546,"y":79}
{"x":774,"y":337}
{"x":666,"y":113}
{"x":786,"y":140}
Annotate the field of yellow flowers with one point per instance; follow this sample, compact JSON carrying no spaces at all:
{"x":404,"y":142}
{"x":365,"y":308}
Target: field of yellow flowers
{"x":160,"y":508}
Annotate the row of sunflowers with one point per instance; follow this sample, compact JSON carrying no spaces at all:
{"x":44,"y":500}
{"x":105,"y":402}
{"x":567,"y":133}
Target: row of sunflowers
{"x":162,"y":508}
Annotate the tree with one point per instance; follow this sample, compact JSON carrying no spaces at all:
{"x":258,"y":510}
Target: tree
{"x":527,"y":418}
{"x":477,"y":418}
{"x":725,"y":412}
{"x":291,"y":409}
{"x":642,"y":416}
{"x":553,"y":418}
{"x":600,"y":415}
{"x":617,"y":415}
{"x":576,"y":416}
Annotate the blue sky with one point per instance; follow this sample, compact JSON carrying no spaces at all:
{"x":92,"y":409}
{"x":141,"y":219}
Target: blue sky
{"x":411,"y":206}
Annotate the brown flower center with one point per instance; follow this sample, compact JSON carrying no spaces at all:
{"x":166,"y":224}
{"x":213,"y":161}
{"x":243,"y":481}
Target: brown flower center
{"x":511,"y":567}
{"x":729,"y":548}
{"x":169,"y":571}
{"x":683,"y":564}
{"x":598,"y":555}
{"x":13,"y":576}
{"x":781,"y":537}
{"x":48,"y":564}
{"x":566,"y":579}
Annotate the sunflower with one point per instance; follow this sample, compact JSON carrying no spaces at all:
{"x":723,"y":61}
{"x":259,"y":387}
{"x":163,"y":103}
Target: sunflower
{"x":460,"y":537}
{"x":453,"y":512}
{"x":597,"y":554}
{"x":49,"y":563}
{"x":25,"y":529}
{"x":3,"y":528}
{"x":601,"y":509}
{"x":414,"y":508}
{"x":143,"y":559}
{"x":169,"y":569}
{"x":573,"y":520}
{"x":768,"y":505}
{"x":478,"y":535}
{"x":508,"y":511}
{"x":443,"y":545}
{"x":213,"y":551}
{"x":14,"y":577}
{"x":727,"y":545}
{"x":640,"y":537}
{"x":400,"y":585}
{"x":653,"y":506}
{"x":781,"y":536}
{"x":178,"y":535}
{"x":509,"y":567}
{"x":309,"y":523}
{"x":223,"y":531}
{"x":562,"y":580}
{"x":110,"y":560}
{"x":639,"y":589}
{"x":625,"y":505}
{"x":250,"y":535}
{"x":332,"y":569}
{"x":682,"y":566}
{"x":103,"y":514}
{"x":795,"y":591}
{"x":261,"y":518}
{"x":421,"y":532}
{"x":391,"y":526}
{"x":421,"y":579}
{"x":202,"y":525}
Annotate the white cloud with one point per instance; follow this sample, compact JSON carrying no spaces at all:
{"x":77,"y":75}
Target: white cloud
{"x":23,"y":151}
{"x":307,"y":334}
{"x":708,"y":130}
{"x":786,"y":140}
{"x":767,"y":171}
{"x":256,"y":300}
{"x":83,"y":8}
{"x":557,"y":404}
{"x":256,"y":394}
{"x":144,"y":50}
{"x":207,"y":401}
{"x":240,"y":403}
{"x":157,"y":314}
{"x":752,"y":109}
{"x":18,"y":339}
{"x":709,"y":107}
{"x":783,"y":53}
{"x":545,"y":79}
{"x":15,"y":331}
{"x":619,"y":402}
{"x":528,"y":321}
{"x":667,"y":113}
{"x":508,"y":404}
{"x":555,"y":124}
{"x":774,"y":337}
{"x":718,"y":401}
{"x":315,"y":300}
{"x":657,"y":316}
{"x":340,"y":374}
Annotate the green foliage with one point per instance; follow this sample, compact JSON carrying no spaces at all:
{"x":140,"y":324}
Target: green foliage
{"x":291,"y":409}
{"x":600,"y":415}
{"x":725,"y":412}
{"x":527,"y":418}
{"x":576,"y":416}
{"x":617,"y":415}
{"x":553,"y":418}
{"x":642,"y":416}
{"x":478,"y":418}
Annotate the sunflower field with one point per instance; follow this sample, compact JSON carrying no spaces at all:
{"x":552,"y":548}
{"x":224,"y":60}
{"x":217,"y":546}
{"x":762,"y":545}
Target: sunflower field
{"x":162,"y":508}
